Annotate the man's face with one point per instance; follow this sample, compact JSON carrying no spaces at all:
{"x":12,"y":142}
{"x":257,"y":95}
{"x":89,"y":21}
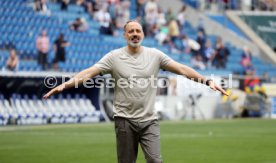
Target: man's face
{"x":134,"y":34}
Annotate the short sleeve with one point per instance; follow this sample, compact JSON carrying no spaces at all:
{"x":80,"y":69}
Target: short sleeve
{"x":163,"y":58}
{"x":105,"y":64}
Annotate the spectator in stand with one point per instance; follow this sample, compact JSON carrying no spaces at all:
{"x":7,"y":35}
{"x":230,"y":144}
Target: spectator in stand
{"x":151,"y":20}
{"x":189,"y":45}
{"x":59,"y":48}
{"x":161,"y":27}
{"x":43,"y":46}
{"x":200,"y":26}
{"x":181,"y":19}
{"x":174,"y":34}
{"x":246,"y":61}
{"x":267,"y":5}
{"x":89,"y":7}
{"x":151,"y":10}
{"x":104,"y":19}
{"x":79,"y":25}
{"x":64,"y":4}
{"x":112,"y":10}
{"x":246,"y":55}
{"x":96,"y":6}
{"x":208,"y":53}
{"x":80,"y":2}
{"x":201,"y":39}
{"x":41,"y":7}
{"x":12,"y":61}
{"x":197,"y":62}
{"x":169,"y":15}
{"x":221,"y":54}
{"x":151,"y":7}
{"x":123,"y":14}
{"x":141,"y":8}
{"x":162,"y":35}
{"x":161,"y":20}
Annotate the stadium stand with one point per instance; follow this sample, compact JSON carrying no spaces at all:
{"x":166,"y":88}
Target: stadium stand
{"x":31,"y":110}
{"x":20,"y":25}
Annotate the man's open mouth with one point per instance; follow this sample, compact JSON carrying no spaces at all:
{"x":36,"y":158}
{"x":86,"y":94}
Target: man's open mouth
{"x":135,"y":39}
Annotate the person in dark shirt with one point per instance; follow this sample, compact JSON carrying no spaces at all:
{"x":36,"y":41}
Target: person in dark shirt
{"x":221,"y":54}
{"x":59,"y":47}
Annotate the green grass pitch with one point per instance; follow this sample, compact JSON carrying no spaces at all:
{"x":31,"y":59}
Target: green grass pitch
{"x":216,"y":141}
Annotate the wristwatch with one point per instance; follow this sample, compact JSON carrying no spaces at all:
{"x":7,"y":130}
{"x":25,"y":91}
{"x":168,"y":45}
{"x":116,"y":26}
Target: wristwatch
{"x":207,"y":82}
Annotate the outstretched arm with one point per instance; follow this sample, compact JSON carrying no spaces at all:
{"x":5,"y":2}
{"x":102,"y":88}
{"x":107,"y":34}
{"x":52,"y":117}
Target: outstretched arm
{"x":81,"y":77}
{"x":190,"y":73}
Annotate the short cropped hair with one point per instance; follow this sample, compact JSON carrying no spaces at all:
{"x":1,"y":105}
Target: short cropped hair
{"x":130,"y":22}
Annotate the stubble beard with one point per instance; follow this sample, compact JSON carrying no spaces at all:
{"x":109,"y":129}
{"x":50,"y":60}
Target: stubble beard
{"x":134,"y":45}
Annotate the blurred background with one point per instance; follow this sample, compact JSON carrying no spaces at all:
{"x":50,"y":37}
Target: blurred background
{"x":231,"y":41}
{"x":45,"y":42}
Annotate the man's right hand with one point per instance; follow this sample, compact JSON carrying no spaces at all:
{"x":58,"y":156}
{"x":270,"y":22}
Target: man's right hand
{"x":53,"y":91}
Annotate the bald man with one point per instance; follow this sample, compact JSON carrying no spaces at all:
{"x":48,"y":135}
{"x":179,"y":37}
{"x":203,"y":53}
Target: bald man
{"x":135,"y":119}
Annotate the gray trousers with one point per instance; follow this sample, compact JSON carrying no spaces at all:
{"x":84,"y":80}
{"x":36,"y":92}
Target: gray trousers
{"x":128,"y":136}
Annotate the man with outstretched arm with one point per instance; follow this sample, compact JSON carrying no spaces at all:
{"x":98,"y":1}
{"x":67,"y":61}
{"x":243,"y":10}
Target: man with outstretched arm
{"x":135,"y":119}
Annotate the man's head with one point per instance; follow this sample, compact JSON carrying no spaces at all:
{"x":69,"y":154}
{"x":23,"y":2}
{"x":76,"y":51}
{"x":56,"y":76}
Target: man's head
{"x":133,"y":33}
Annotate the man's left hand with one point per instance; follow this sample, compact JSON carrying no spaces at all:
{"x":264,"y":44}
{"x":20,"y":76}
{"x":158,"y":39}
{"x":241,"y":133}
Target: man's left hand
{"x":215,"y":87}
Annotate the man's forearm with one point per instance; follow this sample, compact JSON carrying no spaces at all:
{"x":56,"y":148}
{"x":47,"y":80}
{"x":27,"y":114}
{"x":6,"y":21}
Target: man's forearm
{"x":192,"y":74}
{"x":81,"y":77}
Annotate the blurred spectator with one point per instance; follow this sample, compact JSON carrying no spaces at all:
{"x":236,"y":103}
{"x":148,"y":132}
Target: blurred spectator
{"x":189,"y":45}
{"x":151,"y":7}
{"x":197,"y":62}
{"x":160,"y":29}
{"x":80,"y":2}
{"x":112,"y":9}
{"x":181,"y":18}
{"x":162,"y":36}
{"x":79,"y":25}
{"x":254,"y":4}
{"x":201,"y":26}
{"x":201,"y":39}
{"x":173,"y":33}
{"x":266,"y":5}
{"x":246,"y":61}
{"x":59,"y":48}
{"x":64,"y":4}
{"x":208,"y":53}
{"x":89,"y":7}
{"x":151,"y":11}
{"x":246,"y":56}
{"x":104,"y":19}
{"x":169,"y":15}
{"x":249,"y":68}
{"x":123,"y":14}
{"x":141,"y":8}
{"x":161,"y":20}
{"x":12,"y":61}
{"x":96,"y":5}
{"x":151,"y":19}
{"x":250,"y":81}
{"x":221,"y":54}
{"x":43,"y":46}
{"x":234,"y":4}
{"x":41,"y":7}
